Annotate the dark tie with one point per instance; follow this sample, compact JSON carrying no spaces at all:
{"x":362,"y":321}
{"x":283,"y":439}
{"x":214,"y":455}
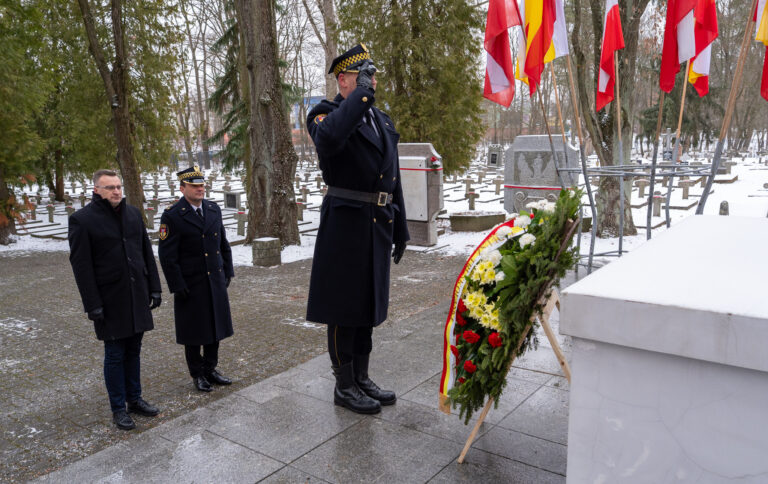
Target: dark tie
{"x":369,"y":122}
{"x":200,"y":213}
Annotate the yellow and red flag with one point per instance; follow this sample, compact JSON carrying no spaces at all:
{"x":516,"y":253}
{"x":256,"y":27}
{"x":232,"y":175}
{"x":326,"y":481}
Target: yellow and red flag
{"x":704,"y":33}
{"x":613,"y":40}
{"x":539,"y":27}
{"x":761,"y":35}
{"x":499,"y":74}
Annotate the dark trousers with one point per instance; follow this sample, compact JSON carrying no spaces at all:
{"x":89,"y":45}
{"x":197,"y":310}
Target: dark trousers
{"x":122,"y":370}
{"x":201,"y":365}
{"x":345,"y":342}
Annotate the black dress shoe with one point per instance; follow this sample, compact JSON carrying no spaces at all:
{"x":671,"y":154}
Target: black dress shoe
{"x":123,"y":420}
{"x":217,"y":378}
{"x":202,"y":384}
{"x":143,"y":408}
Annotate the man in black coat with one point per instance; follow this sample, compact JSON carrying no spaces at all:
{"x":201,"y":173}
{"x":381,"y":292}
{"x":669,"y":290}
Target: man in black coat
{"x":361,"y":216}
{"x":117,"y":278}
{"x":197,"y":262}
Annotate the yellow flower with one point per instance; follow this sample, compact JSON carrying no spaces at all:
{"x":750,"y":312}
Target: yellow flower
{"x":516,"y":230}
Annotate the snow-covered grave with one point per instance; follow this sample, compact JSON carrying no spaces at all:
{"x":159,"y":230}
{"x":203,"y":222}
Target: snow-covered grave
{"x":669,"y":361}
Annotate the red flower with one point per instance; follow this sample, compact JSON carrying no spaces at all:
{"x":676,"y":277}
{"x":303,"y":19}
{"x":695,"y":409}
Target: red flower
{"x":462,"y":379}
{"x":471,"y":337}
{"x":494,"y":340}
{"x":460,"y":320}
{"x":469,"y":366}
{"x":462,"y":306}
{"x":455,"y":351}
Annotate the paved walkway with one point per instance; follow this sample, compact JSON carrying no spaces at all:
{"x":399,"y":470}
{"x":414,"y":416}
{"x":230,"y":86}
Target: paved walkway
{"x":286,"y":428}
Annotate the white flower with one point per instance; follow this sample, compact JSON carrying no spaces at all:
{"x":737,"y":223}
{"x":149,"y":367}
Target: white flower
{"x":500,"y":276}
{"x":548,"y":207}
{"x":522,"y":221}
{"x":512,"y":215}
{"x":526,"y":239}
{"x":494,"y":256}
{"x":532,"y":205}
{"x":504,"y":231}
{"x":541,"y":204}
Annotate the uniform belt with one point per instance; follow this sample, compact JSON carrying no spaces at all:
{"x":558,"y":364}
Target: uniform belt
{"x":379,"y":198}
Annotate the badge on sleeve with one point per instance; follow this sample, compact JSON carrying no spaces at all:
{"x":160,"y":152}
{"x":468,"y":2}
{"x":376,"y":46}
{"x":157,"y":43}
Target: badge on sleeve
{"x":319,"y":118}
{"x":163,"y":232}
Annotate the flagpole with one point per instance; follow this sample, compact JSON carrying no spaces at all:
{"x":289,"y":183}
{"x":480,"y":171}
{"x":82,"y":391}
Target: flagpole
{"x":621,"y":152}
{"x":729,"y":110}
{"x":653,"y":164}
{"x":583,"y":157}
{"x":671,"y":178}
{"x":559,"y":113}
{"x":551,"y":143}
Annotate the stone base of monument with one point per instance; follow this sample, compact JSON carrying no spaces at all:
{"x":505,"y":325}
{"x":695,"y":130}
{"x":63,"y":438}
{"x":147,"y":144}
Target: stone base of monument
{"x":475,"y":221}
{"x":422,"y":233}
{"x":266,"y":252}
{"x":670,"y":374}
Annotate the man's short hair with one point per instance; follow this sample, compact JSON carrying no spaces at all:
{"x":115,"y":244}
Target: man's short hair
{"x":100,"y":173}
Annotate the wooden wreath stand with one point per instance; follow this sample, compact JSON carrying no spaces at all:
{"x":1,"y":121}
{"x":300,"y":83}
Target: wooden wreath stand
{"x":549,"y":299}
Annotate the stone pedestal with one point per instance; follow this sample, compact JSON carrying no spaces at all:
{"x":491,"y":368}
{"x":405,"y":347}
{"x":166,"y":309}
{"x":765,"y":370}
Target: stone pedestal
{"x":670,"y":374}
{"x":266,"y":252}
{"x":421,"y":173}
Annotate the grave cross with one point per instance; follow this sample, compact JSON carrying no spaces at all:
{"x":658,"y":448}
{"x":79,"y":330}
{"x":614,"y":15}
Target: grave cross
{"x":641,"y":184}
{"x":241,"y":217}
{"x":657,"y":198}
{"x":471,"y":196}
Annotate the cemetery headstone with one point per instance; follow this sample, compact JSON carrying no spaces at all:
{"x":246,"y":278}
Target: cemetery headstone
{"x":50,"y":209}
{"x":495,"y":153}
{"x":657,"y":199}
{"x":471,"y":196}
{"x":82,"y":198}
{"x":300,"y":211}
{"x":641,"y":184}
{"x":151,"y":217}
{"x":266,"y":252}
{"x":497,"y":182}
{"x":241,"y":218}
{"x":319,"y":180}
{"x":33,"y":212}
{"x":530,"y":173}
{"x":724,"y":207}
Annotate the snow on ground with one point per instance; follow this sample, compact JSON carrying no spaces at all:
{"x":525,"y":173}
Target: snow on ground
{"x":746,"y":197}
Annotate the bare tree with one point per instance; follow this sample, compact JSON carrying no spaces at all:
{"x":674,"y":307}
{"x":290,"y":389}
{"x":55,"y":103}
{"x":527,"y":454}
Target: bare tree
{"x":115,"y":80}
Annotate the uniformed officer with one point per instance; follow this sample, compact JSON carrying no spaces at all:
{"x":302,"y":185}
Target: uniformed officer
{"x":361,"y":216}
{"x":197,"y":262}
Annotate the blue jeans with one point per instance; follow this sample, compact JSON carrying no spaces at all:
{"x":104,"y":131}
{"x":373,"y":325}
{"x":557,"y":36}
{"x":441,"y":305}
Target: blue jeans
{"x":122,"y":370}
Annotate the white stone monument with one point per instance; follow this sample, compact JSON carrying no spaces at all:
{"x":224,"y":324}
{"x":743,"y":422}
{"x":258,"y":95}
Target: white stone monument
{"x":421,"y":173}
{"x":670,"y":359}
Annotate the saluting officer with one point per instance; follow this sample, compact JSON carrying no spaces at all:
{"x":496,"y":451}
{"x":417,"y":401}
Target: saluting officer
{"x":361,"y":216}
{"x":197,"y":262}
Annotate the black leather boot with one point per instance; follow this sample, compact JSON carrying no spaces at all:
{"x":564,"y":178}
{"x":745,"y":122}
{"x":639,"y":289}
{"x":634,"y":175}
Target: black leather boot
{"x":385,"y":397}
{"x":348,"y":395}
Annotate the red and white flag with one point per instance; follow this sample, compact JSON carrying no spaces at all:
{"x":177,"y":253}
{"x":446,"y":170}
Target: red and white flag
{"x":613,"y":40}
{"x":679,"y":41}
{"x":704,"y":33}
{"x":499,"y":73}
{"x":761,"y":35}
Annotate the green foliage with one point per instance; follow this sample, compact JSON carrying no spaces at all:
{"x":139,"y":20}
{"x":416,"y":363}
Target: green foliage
{"x":22,"y":90}
{"x":429,"y":82}
{"x":528,"y":273}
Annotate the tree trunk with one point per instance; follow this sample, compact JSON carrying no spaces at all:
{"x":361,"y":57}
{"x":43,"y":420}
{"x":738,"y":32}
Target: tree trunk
{"x":59,"y":175}
{"x":602,"y":126}
{"x":115,"y":87}
{"x":8,"y":228}
{"x":331,"y":48}
{"x":271,"y":202}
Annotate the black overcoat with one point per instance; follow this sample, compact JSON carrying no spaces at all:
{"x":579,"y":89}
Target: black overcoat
{"x":349,"y":285}
{"x":114,"y":266}
{"x":195,"y":254}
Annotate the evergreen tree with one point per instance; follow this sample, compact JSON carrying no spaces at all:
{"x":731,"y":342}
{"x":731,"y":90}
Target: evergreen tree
{"x":22,"y":95}
{"x":429,"y":82}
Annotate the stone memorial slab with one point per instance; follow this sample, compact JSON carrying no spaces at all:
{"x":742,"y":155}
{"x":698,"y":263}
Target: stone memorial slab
{"x":421,"y":173}
{"x":530,"y":173}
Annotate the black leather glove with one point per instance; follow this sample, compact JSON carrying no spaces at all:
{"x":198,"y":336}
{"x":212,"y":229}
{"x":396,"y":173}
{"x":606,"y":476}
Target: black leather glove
{"x":154,"y":300}
{"x":182,"y":294}
{"x":96,"y":315}
{"x":365,"y":75}
{"x":227,"y":281}
{"x":397,"y":254}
